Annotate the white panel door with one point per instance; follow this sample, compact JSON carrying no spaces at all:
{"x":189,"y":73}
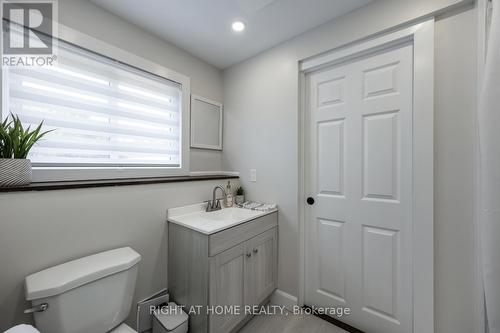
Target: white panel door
{"x":359,"y":173}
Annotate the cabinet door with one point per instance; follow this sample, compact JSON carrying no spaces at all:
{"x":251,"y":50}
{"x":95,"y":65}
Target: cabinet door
{"x":262,"y":272}
{"x":227,"y":288}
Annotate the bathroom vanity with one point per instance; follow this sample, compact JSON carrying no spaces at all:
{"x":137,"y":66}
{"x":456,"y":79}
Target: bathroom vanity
{"x":219,"y":259}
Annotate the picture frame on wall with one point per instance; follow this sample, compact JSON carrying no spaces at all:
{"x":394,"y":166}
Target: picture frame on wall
{"x":206,"y":123}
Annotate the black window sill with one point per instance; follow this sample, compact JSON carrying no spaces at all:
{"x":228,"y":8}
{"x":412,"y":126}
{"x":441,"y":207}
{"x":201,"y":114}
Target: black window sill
{"x":65,"y":185}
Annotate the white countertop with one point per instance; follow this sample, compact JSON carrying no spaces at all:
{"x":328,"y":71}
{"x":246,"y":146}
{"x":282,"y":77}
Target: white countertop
{"x":196,"y":218}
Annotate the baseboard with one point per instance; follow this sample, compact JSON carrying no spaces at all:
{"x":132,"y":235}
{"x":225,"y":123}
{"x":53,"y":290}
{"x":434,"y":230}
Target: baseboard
{"x":210,"y":173}
{"x":281,"y":298}
{"x":336,"y":322}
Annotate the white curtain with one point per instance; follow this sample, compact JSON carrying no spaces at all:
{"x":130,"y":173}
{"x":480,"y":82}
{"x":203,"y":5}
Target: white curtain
{"x":489,"y":141}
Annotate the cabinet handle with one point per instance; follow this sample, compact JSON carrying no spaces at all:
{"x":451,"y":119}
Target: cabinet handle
{"x":255,"y":250}
{"x":37,"y":308}
{"x":249,"y":255}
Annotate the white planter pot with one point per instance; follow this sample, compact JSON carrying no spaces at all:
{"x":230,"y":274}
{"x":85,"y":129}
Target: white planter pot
{"x":239,"y":199}
{"x":14,"y":172}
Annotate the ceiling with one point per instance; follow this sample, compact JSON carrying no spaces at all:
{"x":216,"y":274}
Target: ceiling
{"x":203,"y":27}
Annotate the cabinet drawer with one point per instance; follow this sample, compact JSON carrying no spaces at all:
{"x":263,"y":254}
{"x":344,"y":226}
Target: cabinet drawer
{"x":228,"y":238}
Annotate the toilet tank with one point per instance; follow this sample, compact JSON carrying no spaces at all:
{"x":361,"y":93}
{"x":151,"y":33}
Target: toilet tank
{"x":88,"y":295}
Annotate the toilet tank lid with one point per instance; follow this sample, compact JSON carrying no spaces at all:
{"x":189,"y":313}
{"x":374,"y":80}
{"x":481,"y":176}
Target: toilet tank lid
{"x":61,"y":278}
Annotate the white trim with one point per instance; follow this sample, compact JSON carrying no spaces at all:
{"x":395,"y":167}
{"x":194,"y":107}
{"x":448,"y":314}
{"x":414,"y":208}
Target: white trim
{"x":281,"y":298}
{"x":422,"y":35}
{"x":211,"y":173}
{"x":212,"y":102}
{"x":369,"y":45}
{"x":95,"y":45}
{"x":302,"y":176}
{"x":423,"y":178}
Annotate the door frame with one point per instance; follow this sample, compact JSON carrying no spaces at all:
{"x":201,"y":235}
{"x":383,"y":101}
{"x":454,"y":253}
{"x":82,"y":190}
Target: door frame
{"x":421,"y":35}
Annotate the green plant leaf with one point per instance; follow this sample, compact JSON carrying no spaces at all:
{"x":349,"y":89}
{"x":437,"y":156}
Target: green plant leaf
{"x":240,"y":191}
{"x":17,"y":141}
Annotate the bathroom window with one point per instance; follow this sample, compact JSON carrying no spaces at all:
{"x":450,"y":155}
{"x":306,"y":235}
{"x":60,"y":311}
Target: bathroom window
{"x":109,"y":119}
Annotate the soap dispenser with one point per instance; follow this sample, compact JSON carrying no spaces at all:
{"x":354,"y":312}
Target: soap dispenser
{"x":228,"y":202}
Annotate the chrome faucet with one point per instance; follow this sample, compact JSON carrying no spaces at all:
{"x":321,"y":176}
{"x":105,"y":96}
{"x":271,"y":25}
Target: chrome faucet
{"x":215,"y":203}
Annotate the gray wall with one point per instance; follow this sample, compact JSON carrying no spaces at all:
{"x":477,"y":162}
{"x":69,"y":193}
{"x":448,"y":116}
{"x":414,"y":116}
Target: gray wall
{"x":261,"y":132}
{"x":454,"y":159}
{"x":206,"y":80}
{"x":41,"y":229}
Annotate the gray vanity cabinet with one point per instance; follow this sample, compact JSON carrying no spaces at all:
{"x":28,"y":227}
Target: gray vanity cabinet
{"x":244,"y":275}
{"x":236,"y":266}
{"x":262,"y":272}
{"x":227,"y":287}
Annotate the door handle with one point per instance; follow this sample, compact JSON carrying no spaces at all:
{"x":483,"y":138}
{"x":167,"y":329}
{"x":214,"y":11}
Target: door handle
{"x":255,"y":250}
{"x":310,"y":201}
{"x":249,"y":255}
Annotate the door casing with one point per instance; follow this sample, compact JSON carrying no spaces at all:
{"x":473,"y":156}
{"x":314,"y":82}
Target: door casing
{"x":421,"y":35}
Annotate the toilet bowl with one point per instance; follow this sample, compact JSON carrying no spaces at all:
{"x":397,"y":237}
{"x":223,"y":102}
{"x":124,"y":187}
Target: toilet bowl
{"x":91,"y":294}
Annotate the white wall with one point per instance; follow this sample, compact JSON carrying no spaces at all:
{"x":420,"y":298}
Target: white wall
{"x":206,"y":80}
{"x":261,"y":132}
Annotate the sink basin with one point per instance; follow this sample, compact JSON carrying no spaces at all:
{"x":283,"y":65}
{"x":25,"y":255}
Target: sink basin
{"x":194,"y":217}
{"x":229,"y":214}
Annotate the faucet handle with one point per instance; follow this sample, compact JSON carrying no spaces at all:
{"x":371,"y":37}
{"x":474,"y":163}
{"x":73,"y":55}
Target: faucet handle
{"x":217,"y":205}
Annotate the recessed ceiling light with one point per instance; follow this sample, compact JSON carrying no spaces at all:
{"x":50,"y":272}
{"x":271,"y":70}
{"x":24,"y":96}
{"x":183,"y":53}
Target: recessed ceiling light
{"x":238,"y":26}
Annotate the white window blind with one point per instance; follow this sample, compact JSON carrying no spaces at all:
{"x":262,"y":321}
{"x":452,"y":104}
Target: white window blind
{"x":103,"y":113}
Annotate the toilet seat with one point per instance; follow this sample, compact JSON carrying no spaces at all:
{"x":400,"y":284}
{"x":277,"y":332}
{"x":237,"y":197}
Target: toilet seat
{"x":123,"y":328}
{"x":23,"y":328}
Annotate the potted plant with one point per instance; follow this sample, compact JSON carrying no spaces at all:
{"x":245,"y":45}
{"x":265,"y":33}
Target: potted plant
{"x":15,"y":144}
{"x":240,"y":196}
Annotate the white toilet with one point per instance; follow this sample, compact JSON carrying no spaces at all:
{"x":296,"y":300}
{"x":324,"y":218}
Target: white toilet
{"x":91,"y":294}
